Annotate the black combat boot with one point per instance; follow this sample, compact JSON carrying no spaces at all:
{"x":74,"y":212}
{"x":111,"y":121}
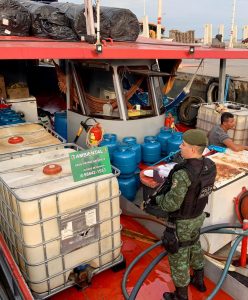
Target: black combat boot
{"x":181,"y":293}
{"x":197,"y":280}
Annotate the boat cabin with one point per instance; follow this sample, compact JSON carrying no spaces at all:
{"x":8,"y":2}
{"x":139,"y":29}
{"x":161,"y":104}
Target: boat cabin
{"x":123,"y":95}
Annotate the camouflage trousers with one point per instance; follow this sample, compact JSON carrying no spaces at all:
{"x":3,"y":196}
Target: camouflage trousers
{"x":187,"y":257}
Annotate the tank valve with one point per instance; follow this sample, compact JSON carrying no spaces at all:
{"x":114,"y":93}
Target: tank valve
{"x":15,"y":140}
{"x":52,"y":169}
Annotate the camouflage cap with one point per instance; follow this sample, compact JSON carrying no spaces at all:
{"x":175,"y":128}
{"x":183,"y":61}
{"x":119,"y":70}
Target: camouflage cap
{"x":195,"y":137}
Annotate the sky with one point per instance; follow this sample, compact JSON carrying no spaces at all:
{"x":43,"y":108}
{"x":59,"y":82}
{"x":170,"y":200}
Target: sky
{"x":187,"y":14}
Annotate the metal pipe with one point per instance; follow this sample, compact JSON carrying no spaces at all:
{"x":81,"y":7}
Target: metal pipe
{"x":244,"y":246}
{"x":159,"y":19}
{"x":78,"y":89}
{"x":232,"y":25}
{"x":222,"y":80}
{"x":98,"y":22}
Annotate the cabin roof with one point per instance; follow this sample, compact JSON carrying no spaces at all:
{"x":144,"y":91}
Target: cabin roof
{"x":35,"y":48}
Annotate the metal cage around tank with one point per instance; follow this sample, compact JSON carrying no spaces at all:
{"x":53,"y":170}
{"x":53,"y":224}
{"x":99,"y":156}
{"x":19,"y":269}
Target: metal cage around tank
{"x":64,"y":234}
{"x":13,"y":153}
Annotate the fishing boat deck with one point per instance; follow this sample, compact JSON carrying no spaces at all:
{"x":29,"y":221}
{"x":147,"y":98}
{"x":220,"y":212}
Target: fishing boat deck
{"x":107,"y":285}
{"x":12,"y":47}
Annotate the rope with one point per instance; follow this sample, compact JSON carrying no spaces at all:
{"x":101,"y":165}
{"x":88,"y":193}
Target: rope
{"x":95,"y":103}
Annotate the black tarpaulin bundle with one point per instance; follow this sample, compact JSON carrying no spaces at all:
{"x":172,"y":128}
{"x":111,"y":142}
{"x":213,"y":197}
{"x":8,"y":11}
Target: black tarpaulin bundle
{"x":75,"y":13}
{"x":123,"y":24}
{"x":48,"y":21}
{"x":117,"y":23}
{"x":14,"y":18}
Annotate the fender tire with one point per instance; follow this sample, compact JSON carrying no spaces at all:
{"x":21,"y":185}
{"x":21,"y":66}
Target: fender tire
{"x":185,"y":113}
{"x":212,"y":91}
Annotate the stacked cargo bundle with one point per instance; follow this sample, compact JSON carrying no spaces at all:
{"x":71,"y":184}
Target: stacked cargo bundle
{"x":76,"y":15}
{"x":15,"y":19}
{"x":64,"y":21}
{"x":123,"y":24}
{"x":120,"y":24}
{"x":48,"y":21}
{"x":53,"y":224}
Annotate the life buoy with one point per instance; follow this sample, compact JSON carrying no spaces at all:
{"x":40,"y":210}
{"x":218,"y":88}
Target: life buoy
{"x":241,"y":205}
{"x":188,"y":109}
{"x":212,"y":91}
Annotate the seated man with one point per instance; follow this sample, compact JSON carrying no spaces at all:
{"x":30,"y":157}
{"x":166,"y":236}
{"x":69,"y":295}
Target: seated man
{"x":218,"y":134}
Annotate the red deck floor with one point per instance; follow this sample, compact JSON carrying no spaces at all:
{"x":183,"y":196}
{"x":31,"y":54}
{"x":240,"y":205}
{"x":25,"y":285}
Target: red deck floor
{"x":107,"y":285}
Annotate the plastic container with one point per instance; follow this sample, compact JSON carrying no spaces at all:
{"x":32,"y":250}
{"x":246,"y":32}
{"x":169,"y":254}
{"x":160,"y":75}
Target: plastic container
{"x":207,"y":118}
{"x":13,"y":119}
{"x":151,"y":150}
{"x":149,"y":138}
{"x":124,"y":158}
{"x":162,"y":137}
{"x":110,"y":140}
{"x":9,"y":117}
{"x":53,"y":224}
{"x":60,"y":123}
{"x":174,"y":142}
{"x":128,"y":187}
{"x":25,"y":136}
{"x":132,"y":143}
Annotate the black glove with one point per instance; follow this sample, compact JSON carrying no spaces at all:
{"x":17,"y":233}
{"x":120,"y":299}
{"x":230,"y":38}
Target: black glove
{"x":151,"y":200}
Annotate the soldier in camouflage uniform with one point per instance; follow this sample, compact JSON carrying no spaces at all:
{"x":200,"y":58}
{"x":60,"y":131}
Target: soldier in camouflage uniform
{"x":188,"y":216}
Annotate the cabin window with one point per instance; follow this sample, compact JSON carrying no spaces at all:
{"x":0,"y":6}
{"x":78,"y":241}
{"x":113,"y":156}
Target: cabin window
{"x":97,"y":87}
{"x":136,"y":91}
{"x":158,"y":89}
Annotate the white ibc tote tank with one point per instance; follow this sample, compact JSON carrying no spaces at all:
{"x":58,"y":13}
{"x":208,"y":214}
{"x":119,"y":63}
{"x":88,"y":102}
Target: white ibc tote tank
{"x":25,"y":136}
{"x":53,"y":224}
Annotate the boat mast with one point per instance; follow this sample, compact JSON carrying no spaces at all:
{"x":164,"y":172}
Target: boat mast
{"x":159,"y":19}
{"x":232,"y":25}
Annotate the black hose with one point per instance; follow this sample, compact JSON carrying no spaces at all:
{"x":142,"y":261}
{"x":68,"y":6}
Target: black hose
{"x":130,"y":267}
{"x":228,"y":262}
{"x":208,"y":229}
{"x":137,"y":287}
{"x":219,"y":226}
